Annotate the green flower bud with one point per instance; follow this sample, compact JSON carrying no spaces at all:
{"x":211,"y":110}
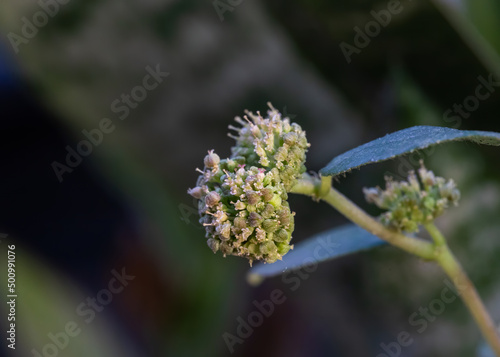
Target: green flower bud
{"x":268,"y":211}
{"x":413,"y":202}
{"x":212,"y":198}
{"x":281,"y":236}
{"x":253,"y":248}
{"x":254,"y":219}
{"x":429,"y":203}
{"x":196,"y":192}
{"x":240,"y":205}
{"x":276,"y":201}
{"x":284,"y":248}
{"x":268,"y":248}
{"x":270,"y":225}
{"x":253,"y":197}
{"x":260,"y":234}
{"x":267,"y":194}
{"x":211,"y":160}
{"x":228,"y":165}
{"x":224,"y":231}
{"x":285,"y":216}
{"x":226,"y":249}
{"x":290,"y":138}
{"x":240,"y":222}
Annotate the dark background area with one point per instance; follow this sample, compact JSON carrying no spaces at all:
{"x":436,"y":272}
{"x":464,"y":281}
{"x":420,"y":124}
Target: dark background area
{"x":125,"y":205}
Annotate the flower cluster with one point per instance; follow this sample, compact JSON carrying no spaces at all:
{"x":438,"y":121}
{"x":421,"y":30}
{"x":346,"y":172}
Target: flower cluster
{"x":412,"y":203}
{"x":272,"y":142}
{"x":243,"y":199}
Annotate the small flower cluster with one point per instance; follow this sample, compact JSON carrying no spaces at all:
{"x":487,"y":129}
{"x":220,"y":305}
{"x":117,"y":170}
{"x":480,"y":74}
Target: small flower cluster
{"x":272,"y":142}
{"x":412,"y":203}
{"x":243,"y":199}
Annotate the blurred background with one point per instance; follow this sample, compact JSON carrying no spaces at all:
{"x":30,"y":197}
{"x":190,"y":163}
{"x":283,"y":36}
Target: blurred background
{"x":155,"y":84}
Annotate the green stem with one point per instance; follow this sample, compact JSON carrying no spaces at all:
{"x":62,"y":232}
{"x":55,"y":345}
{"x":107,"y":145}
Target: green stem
{"x":439,"y":251}
{"x":315,"y":188}
{"x":436,"y":235}
{"x":465,"y":287}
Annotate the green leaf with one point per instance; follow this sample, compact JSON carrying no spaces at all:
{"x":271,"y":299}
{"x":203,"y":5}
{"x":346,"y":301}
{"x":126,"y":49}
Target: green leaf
{"x":331,"y":244}
{"x":403,"y":142}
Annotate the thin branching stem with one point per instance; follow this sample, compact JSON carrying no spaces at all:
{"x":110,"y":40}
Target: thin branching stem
{"x":321,"y":189}
{"x":465,"y":287}
{"x":314,"y":187}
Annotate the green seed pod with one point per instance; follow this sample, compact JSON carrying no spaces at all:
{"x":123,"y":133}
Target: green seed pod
{"x":270,"y":225}
{"x":281,"y":236}
{"x":268,"y":248}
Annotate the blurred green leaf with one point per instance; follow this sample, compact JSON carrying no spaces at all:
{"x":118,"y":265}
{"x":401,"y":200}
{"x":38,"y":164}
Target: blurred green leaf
{"x":331,"y":244}
{"x":403,"y":142}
